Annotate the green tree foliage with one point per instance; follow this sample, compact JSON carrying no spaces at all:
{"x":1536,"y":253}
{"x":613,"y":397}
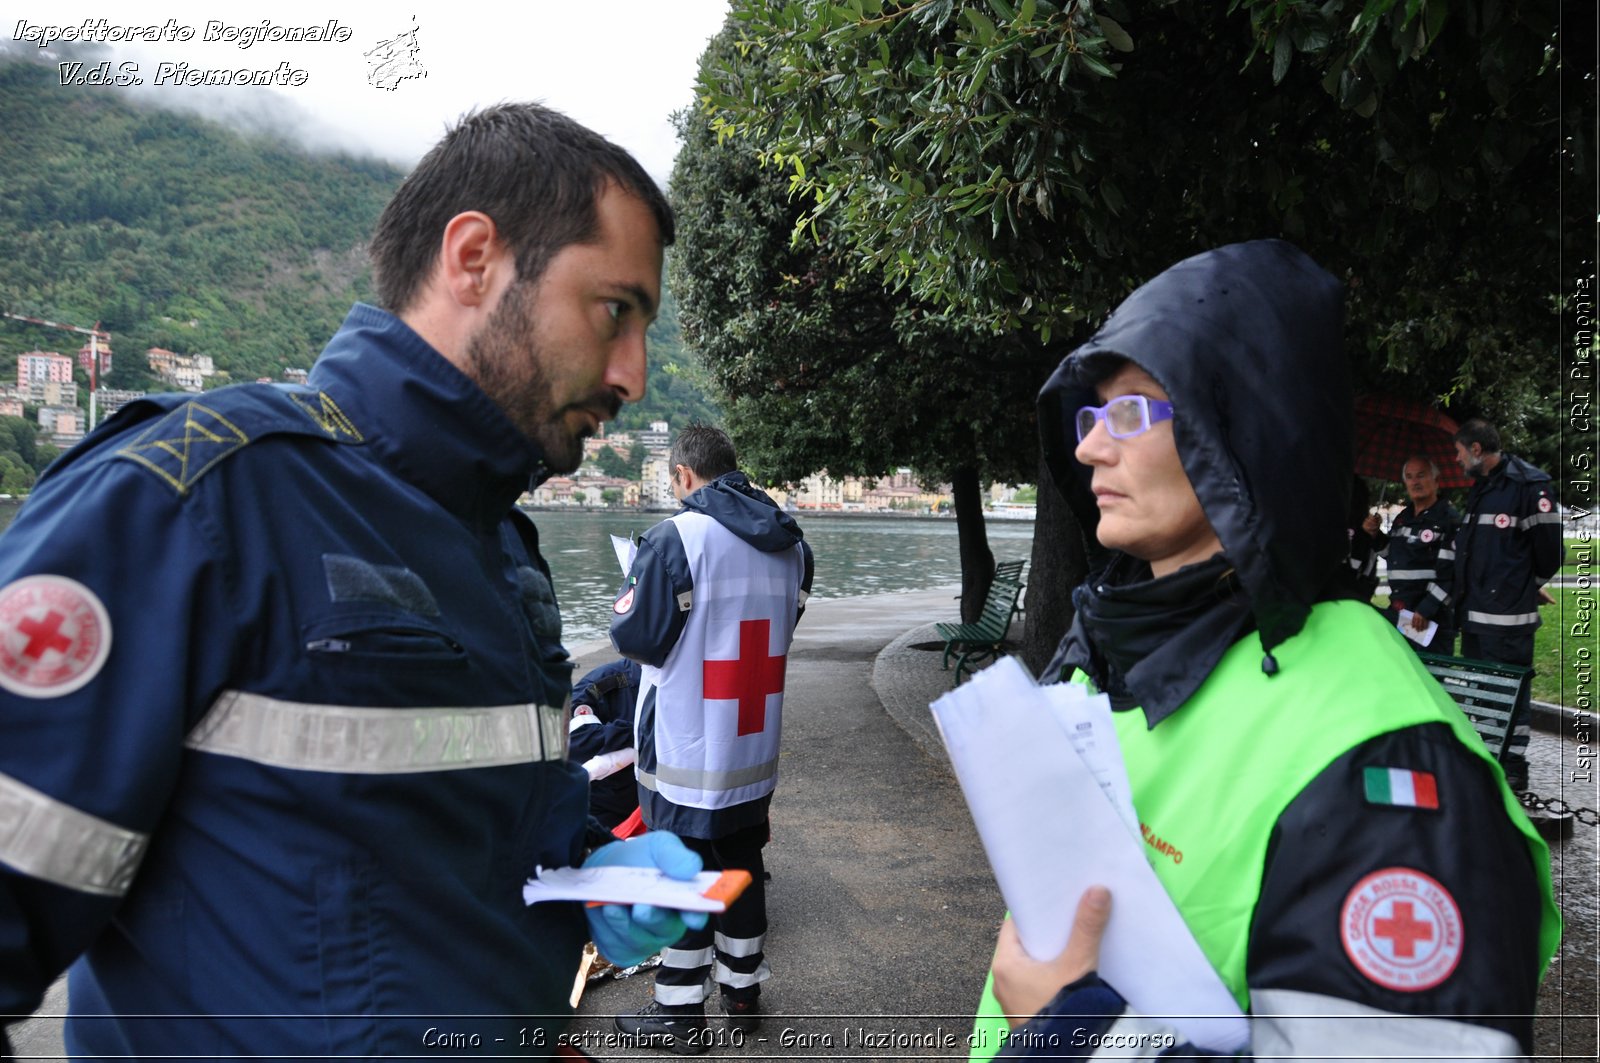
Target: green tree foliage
{"x":178,"y":233}
{"x":1025,"y":164}
{"x":173,"y":232}
{"x":818,"y":364}
{"x":676,"y":389}
{"x":613,"y":464}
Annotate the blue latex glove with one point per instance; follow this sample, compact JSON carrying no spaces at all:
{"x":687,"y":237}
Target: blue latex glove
{"x":627,"y":934}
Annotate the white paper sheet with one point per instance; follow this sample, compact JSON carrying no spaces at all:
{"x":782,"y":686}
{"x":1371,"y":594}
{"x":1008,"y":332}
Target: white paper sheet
{"x":1051,"y":832}
{"x":1421,"y":638}
{"x":624,"y":549}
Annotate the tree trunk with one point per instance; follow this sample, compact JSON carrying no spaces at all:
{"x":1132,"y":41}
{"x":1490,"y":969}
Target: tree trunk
{"x":977,"y":561}
{"x":1059,"y":564}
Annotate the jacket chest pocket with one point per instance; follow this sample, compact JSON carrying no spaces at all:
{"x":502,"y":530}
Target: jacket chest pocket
{"x":383,"y":640}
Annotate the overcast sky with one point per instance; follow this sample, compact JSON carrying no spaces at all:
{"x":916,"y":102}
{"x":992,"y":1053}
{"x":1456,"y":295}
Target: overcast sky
{"x":621,"y":67}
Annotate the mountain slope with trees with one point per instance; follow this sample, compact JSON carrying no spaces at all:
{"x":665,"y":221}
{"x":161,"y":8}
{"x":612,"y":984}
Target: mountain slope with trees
{"x":175,"y":232}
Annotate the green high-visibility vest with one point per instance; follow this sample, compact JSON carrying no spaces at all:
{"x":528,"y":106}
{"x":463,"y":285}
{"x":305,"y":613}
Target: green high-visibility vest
{"x":1218,"y":773}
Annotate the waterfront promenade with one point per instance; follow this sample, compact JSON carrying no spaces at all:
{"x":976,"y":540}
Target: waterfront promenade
{"x":883,"y":911}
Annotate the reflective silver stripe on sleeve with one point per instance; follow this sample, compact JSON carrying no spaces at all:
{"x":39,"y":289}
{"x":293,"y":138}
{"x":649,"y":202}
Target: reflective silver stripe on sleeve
{"x":366,"y":741}
{"x":1503,"y":619}
{"x":805,"y":596}
{"x":1413,"y":573}
{"x":695,"y":779}
{"x":1289,"y":1024}
{"x":1446,"y":554}
{"x":49,"y":840}
{"x":1438,"y":592}
{"x":1539,"y":518}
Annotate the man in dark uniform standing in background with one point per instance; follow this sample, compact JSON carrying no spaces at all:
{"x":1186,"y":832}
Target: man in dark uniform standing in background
{"x":1509,"y":545}
{"x":1421,"y":561}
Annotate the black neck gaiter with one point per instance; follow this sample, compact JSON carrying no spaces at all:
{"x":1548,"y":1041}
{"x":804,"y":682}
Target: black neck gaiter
{"x":1152,"y":642}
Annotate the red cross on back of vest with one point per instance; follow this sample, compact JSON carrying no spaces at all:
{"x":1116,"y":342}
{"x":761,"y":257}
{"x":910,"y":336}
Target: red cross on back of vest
{"x":751,"y":678}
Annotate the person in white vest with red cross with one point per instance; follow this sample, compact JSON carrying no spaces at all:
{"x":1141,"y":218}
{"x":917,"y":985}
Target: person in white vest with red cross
{"x":709,"y":608}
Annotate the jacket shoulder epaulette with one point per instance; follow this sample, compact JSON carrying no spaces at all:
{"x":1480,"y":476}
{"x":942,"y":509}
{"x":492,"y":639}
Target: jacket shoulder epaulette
{"x":197,"y":434}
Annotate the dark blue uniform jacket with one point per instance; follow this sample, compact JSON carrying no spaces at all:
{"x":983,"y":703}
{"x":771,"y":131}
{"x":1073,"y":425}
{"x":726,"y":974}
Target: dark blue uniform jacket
{"x":297,"y":799}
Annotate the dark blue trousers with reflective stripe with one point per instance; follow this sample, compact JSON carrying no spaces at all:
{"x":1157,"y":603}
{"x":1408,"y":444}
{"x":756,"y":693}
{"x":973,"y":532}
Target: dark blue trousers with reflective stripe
{"x":732,"y":943}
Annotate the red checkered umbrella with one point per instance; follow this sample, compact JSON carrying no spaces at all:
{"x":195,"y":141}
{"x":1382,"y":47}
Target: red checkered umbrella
{"x":1389,"y":430}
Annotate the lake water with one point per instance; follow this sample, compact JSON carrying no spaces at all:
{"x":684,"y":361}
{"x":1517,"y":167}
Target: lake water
{"x":854,"y":556}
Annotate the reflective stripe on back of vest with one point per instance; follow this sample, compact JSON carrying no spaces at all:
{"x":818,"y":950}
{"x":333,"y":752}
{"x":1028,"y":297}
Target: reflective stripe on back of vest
{"x":719,"y":693}
{"x":1237,"y":718}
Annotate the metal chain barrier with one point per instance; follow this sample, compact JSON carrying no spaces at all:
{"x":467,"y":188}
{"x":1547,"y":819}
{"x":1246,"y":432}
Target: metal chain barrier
{"x":1557,"y":807}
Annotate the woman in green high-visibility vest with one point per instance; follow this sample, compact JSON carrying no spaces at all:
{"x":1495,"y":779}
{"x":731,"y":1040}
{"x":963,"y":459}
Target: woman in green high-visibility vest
{"x":1337,"y":838}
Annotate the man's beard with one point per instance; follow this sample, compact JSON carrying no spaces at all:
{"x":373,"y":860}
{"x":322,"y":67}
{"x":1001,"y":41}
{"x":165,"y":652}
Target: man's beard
{"x":507,"y":362}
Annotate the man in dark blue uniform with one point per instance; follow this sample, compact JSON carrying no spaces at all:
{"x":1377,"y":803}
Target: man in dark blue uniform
{"x":276,"y":765}
{"x":1508,"y":547}
{"x":1421,"y":561}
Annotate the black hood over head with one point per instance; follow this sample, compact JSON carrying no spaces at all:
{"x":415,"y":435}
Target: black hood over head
{"x":1248,"y":341}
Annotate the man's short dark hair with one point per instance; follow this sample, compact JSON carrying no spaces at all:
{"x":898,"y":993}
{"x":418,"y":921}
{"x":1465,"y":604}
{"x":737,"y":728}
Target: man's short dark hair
{"x":706,"y":450}
{"x":535,"y":171}
{"x":1480,"y":432}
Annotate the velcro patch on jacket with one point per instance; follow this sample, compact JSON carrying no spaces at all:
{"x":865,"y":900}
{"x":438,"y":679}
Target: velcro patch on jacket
{"x":351,"y":579}
{"x":1400,"y":786}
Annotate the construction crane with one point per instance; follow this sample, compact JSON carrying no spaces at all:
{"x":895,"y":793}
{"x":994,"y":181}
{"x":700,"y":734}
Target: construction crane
{"x":96,"y":337}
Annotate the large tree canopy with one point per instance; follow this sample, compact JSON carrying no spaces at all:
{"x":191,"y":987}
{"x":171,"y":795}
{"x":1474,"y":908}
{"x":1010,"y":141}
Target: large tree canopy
{"x":819,"y":366}
{"x":1022,"y":166}
{"x":1026,"y":164}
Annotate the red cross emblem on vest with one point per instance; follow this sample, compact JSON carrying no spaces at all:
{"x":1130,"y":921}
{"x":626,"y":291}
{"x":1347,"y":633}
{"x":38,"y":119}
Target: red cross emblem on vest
{"x":751,"y":678}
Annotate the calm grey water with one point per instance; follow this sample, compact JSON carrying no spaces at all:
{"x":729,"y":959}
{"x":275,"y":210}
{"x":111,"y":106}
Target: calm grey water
{"x":855,"y":556}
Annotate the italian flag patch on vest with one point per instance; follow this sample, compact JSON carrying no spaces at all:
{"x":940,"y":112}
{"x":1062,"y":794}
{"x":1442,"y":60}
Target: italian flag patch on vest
{"x":1400,"y":786}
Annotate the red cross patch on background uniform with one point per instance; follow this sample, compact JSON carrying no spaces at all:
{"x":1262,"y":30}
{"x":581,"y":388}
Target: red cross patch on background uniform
{"x":1427,"y":535}
{"x":1401,"y":929}
{"x":1502,"y":520}
{"x":55,"y":636}
{"x":1544,"y":504}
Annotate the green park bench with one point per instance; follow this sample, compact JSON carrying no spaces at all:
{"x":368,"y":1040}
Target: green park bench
{"x":1489,"y":692}
{"x":981,"y":641}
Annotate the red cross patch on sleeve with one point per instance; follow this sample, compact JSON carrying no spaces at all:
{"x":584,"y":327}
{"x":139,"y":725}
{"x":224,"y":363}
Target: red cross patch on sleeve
{"x":1401,"y":929}
{"x":55,"y":636}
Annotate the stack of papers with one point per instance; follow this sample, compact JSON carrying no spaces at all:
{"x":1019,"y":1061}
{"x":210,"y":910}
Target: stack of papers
{"x":1043,"y":776}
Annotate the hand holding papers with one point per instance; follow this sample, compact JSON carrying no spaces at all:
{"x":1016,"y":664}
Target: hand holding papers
{"x":1421,"y":638}
{"x":1055,"y":821}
